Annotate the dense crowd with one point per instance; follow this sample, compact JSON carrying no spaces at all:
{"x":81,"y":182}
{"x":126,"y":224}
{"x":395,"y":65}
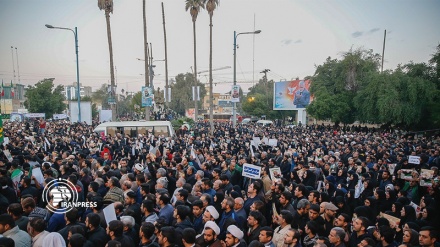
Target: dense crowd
{"x":318,"y":186}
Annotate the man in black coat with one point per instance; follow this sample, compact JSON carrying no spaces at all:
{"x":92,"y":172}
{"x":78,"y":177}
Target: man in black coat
{"x":115,"y":230}
{"x":95,"y":233}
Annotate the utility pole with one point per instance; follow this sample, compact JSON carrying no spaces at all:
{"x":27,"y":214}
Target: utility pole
{"x":265,"y":81}
{"x":147,"y":79}
{"x":166,"y":57}
{"x":383,"y":50}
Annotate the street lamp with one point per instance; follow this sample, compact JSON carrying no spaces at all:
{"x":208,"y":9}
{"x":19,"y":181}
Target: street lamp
{"x":152,"y":66}
{"x":75,"y":34}
{"x":234,"y":110}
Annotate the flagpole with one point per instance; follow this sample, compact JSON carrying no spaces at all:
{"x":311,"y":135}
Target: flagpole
{"x":13,"y":63}
{"x":18,"y":67}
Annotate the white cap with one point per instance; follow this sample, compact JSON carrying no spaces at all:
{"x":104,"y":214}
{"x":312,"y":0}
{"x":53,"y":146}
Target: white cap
{"x":213,"y":226}
{"x":139,"y":167}
{"x":235,"y":231}
{"x":212,"y":211}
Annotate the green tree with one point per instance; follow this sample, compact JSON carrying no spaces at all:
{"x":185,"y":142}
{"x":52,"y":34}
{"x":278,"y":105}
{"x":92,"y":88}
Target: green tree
{"x":259,"y":102}
{"x":394,"y":98}
{"x":181,"y":92}
{"x":336,"y":83}
{"x":45,"y":97}
{"x":100,"y":96}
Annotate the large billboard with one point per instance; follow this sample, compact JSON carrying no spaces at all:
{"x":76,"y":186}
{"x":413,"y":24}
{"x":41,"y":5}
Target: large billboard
{"x":291,"y":95}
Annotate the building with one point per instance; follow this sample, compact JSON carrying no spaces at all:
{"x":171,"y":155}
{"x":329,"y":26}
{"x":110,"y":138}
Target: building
{"x":70,"y":92}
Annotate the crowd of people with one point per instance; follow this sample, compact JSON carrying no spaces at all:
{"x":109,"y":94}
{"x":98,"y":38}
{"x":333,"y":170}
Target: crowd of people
{"x":317,"y":186}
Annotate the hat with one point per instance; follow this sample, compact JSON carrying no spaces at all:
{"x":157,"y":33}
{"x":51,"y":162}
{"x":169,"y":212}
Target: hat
{"x":213,"y":226}
{"x":139,"y":167}
{"x":212,"y":211}
{"x":331,"y":206}
{"x":235,"y":231}
{"x":389,"y":186}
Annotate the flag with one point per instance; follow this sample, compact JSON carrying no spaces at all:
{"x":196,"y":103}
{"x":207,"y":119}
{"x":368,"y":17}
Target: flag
{"x":194,"y":155}
{"x":12,"y":90}
{"x":3,"y":90}
{"x":16,"y":177}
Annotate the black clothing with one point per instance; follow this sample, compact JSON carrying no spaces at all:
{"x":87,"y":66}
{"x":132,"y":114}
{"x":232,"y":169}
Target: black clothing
{"x":98,"y":237}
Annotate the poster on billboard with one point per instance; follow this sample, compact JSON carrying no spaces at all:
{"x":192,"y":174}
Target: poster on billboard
{"x":190,"y":113}
{"x":147,"y":96}
{"x":292,"y":95}
{"x":235,"y":94}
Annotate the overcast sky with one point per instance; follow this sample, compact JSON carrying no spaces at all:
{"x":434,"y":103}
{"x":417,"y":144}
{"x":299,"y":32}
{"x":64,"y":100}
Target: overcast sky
{"x":295,"y":36}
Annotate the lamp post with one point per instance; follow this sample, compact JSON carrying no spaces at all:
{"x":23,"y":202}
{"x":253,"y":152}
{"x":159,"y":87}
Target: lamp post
{"x":75,"y":34}
{"x":234,"y":110}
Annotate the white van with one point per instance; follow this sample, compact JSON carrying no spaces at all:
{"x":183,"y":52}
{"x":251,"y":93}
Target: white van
{"x":134,"y":128}
{"x":263,"y":123}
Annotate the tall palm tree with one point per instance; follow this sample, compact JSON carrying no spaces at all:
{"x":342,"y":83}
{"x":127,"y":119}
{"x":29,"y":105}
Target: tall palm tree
{"x":194,"y":7}
{"x":211,"y":5}
{"x":146,"y":58}
{"x":107,"y":6}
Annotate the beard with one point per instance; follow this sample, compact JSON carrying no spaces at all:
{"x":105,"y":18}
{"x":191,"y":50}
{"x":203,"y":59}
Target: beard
{"x":208,"y":243}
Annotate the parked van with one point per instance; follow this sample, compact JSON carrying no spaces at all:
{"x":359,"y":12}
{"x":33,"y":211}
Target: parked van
{"x":264,"y":123}
{"x":134,"y":128}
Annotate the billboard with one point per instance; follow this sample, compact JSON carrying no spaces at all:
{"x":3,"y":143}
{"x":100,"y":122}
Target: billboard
{"x":190,"y":113}
{"x":147,"y":96}
{"x":235,"y":94}
{"x":291,"y":95}
{"x":86,"y":112}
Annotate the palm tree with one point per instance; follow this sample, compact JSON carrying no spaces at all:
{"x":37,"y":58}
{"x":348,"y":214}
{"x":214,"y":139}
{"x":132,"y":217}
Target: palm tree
{"x":194,"y":7}
{"x":146,"y":53}
{"x":107,"y":6}
{"x":210,"y":7}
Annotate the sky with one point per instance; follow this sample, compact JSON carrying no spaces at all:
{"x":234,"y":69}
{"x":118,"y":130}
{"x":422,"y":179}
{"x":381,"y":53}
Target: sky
{"x":296,"y":35}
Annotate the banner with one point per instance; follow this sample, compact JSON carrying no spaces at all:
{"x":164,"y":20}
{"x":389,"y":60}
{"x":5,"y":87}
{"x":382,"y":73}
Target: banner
{"x":196,"y":93}
{"x":292,"y":95}
{"x":251,"y":171}
{"x":147,"y":96}
{"x":190,"y":113}
{"x":235,"y":94}
{"x":275,"y":173}
{"x":414,"y":160}
{"x":1,"y":129}
{"x":167,"y":97}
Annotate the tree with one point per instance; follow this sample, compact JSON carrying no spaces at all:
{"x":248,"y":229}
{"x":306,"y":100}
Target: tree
{"x":146,"y":54}
{"x":44,"y":97}
{"x":259,"y":102}
{"x":101,"y":96}
{"x":211,"y":5}
{"x":194,"y":7}
{"x":107,"y":6}
{"x":336,"y":83}
{"x":394,"y":98}
{"x":182,"y":93}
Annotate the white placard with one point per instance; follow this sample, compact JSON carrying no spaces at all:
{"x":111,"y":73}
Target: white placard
{"x":36,"y":172}
{"x":251,"y":171}
{"x":273,"y":142}
{"x":8,"y":155}
{"x":256,"y":141}
{"x":109,"y":213}
{"x":414,"y":160}
{"x":275,"y":173}
{"x":265,"y":140}
{"x":5,"y":140}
